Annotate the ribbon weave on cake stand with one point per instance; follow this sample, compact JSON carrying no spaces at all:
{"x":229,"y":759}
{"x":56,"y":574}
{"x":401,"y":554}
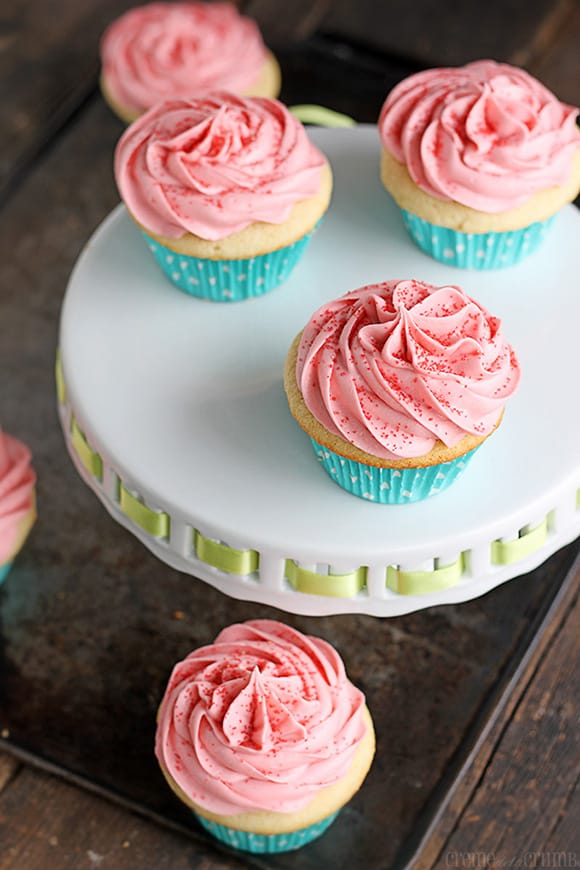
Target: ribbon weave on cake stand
{"x":325,"y":582}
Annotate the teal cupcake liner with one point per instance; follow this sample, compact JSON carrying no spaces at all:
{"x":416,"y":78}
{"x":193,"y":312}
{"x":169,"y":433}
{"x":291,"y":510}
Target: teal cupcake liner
{"x":475,"y":250}
{"x":266,"y":843}
{"x":229,"y":280}
{"x":390,"y":485}
{"x":4,"y":569}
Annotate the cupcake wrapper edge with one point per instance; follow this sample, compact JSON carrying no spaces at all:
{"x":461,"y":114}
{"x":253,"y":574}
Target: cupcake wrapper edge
{"x":266,"y":843}
{"x":390,"y":485}
{"x":229,"y":280}
{"x":4,"y":569}
{"x":475,"y":250}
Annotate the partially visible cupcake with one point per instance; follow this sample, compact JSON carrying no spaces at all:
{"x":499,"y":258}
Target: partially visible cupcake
{"x":227,"y":191}
{"x":180,"y":50}
{"x":17,"y":501}
{"x":398,"y":384}
{"x":263,"y":736}
{"x":480,"y":159}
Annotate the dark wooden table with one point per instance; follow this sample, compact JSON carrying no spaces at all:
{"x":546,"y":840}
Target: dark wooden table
{"x":476,"y":705}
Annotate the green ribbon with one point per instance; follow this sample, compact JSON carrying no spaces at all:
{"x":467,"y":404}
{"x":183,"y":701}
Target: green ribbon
{"x":506,"y":552}
{"x":156,"y":524}
{"x":330,"y":585}
{"x":423,"y":582}
{"x":89,"y":457}
{"x":60,"y":385}
{"x":244,"y":562}
{"x":309,"y":114}
{"x":223,"y":557}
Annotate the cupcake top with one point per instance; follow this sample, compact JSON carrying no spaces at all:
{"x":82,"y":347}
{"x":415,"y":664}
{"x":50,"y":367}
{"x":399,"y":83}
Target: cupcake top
{"x":214,"y":165}
{"x":394,"y":367}
{"x":486,"y":135}
{"x":16,"y":495}
{"x":262,"y":719}
{"x":179,"y":50}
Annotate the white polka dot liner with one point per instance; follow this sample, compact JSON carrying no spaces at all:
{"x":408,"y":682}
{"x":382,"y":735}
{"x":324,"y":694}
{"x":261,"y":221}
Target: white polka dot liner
{"x":476,"y":250}
{"x":390,"y":485}
{"x":174,"y":414}
{"x":229,"y":280}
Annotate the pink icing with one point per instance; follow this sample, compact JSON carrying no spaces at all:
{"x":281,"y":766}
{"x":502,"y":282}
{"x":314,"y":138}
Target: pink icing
{"x":179,"y":50}
{"x":16,"y":493}
{"x":393,"y":367}
{"x":486,"y":135}
{"x":213,"y":166}
{"x":261,"y":719}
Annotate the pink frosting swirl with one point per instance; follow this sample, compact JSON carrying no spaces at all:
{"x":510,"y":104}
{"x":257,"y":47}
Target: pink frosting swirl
{"x":16,"y":495}
{"x":486,"y":135}
{"x":393,"y":367}
{"x":261,"y":719}
{"x":179,"y":50}
{"x":212,"y":166}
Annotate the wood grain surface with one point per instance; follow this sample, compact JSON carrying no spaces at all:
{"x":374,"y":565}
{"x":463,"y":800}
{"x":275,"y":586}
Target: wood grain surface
{"x":47,"y":823}
{"x":447,"y":34}
{"x":532,"y":754}
{"x":456,"y":829}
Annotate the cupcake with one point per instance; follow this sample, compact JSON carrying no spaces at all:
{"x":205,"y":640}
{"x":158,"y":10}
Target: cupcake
{"x":17,"y":502}
{"x":480,"y":159}
{"x":263,"y":736}
{"x":398,"y":384}
{"x":227,"y":191}
{"x":180,"y":50}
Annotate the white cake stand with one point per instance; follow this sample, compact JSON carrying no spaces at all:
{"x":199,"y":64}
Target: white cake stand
{"x":174,"y":414}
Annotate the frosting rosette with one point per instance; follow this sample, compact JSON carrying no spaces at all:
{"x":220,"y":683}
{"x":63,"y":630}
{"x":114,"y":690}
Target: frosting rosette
{"x":179,"y":50}
{"x":261,"y":719}
{"x":486,"y":135}
{"x":213,"y":166}
{"x":17,"y":504}
{"x":394,"y":367}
